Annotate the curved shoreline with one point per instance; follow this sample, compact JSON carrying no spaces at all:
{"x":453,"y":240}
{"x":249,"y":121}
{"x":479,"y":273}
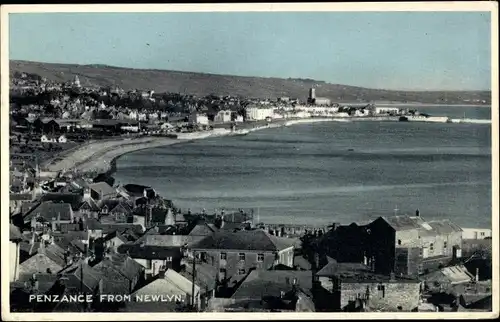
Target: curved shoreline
{"x":101,"y":156}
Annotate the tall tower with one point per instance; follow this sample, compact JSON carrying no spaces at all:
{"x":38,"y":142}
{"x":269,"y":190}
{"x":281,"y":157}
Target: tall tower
{"x":312,"y":93}
{"x":77,"y":81}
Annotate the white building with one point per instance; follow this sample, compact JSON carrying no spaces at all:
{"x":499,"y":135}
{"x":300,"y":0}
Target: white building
{"x":223,"y":116}
{"x":62,"y":139}
{"x":130,"y":128}
{"x":47,"y":139}
{"x":259,"y":114}
{"x":239,"y":119}
{"x":386,"y":110}
{"x":475,"y":233}
{"x":197,"y":118}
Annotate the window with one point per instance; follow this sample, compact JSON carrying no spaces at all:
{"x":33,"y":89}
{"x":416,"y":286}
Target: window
{"x":241,"y":271}
{"x":445,"y":244}
{"x":223,"y":256}
{"x":241,"y":256}
{"x":260,"y":257}
{"x":148,"y":264}
{"x":482,"y":233}
{"x":421,"y":251}
{"x":399,"y":241}
{"x":431,"y":247}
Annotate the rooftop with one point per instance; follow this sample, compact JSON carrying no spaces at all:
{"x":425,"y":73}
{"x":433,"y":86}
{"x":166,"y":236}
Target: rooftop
{"x":244,"y":240}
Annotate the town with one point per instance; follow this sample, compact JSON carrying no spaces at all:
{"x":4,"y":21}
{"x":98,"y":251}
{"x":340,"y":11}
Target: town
{"x":83,"y":233}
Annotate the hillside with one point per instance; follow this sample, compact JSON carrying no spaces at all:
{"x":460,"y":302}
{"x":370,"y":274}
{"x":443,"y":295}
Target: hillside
{"x":204,"y":84}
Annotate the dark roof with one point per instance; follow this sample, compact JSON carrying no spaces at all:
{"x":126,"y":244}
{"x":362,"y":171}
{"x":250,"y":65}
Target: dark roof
{"x":92,"y":224}
{"x":74,"y":275}
{"x":206,"y":275}
{"x":49,"y":210}
{"x":122,"y":207}
{"x":74,"y":199}
{"x":45,"y":281}
{"x":244,"y":240}
{"x":148,"y":252}
{"x":116,"y":234}
{"x":103,"y":189}
{"x":359,"y":273}
{"x":125,"y":265}
{"x":114,"y":282}
{"x":21,"y":197}
{"x":261,"y":283}
{"x":107,"y":228}
{"x":202,"y":230}
{"x":15,"y":233}
{"x":135,"y":189}
{"x":400,"y":223}
{"x":301,"y":262}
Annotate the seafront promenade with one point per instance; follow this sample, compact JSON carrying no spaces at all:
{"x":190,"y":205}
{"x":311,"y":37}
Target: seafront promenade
{"x":98,"y":156}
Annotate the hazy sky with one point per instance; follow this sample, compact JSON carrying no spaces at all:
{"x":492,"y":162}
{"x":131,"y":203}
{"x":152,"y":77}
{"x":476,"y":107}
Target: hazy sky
{"x":393,"y":50}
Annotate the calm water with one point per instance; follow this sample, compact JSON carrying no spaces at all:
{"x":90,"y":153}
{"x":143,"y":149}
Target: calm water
{"x":309,"y":174}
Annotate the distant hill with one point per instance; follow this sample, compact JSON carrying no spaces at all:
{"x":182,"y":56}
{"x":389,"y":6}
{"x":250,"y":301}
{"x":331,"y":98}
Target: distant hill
{"x":258,"y":87}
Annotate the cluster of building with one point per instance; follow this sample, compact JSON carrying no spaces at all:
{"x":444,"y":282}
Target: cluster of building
{"x":73,"y":236}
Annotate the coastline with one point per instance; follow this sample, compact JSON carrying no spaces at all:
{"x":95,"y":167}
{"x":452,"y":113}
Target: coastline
{"x":101,"y":156}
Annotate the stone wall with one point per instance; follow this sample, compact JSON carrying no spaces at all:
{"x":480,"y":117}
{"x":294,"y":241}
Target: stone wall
{"x":386,"y":296}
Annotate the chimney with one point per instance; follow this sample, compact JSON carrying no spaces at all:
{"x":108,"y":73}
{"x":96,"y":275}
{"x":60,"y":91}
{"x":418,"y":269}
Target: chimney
{"x":477,"y":274}
{"x":282,"y":294}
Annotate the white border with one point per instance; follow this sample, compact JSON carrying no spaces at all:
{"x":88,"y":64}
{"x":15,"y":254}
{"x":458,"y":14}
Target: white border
{"x":486,"y":6}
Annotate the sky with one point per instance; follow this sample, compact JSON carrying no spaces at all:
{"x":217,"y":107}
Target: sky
{"x":390,"y":50}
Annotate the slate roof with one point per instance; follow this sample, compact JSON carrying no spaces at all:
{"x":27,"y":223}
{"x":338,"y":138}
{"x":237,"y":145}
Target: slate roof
{"x":148,"y":252}
{"x":202,"y":230}
{"x":206,"y":275}
{"x":244,"y":240}
{"x":116,"y":234}
{"x":110,"y":227}
{"x":261,"y":283}
{"x":114,"y":282}
{"x":103,"y":189}
{"x":21,"y":197}
{"x":92,"y":224}
{"x":128,"y":267}
{"x":359,"y":273}
{"x":400,"y":223}
{"x":45,"y":281}
{"x":74,"y":273}
{"x":444,"y":227}
{"x":122,"y":207}
{"x":49,"y":210}
{"x":39,"y":263}
{"x":453,"y":274}
{"x":169,"y":240}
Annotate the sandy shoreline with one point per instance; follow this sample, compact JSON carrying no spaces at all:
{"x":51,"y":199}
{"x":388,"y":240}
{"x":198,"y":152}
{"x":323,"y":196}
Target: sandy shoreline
{"x":101,"y":156}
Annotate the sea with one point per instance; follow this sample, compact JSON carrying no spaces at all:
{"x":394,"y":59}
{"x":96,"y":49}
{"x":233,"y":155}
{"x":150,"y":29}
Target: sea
{"x":329,"y":172}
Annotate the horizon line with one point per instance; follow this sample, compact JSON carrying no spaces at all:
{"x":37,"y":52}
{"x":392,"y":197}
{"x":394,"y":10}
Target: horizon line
{"x":249,"y":76}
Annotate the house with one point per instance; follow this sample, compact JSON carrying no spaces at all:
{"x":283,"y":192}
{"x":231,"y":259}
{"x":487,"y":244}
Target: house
{"x":48,"y":139}
{"x":158,"y":252}
{"x":258,"y":113}
{"x":175,"y":291}
{"x":122,"y":274}
{"x":352,"y":287}
{"x":197,"y":118}
{"x":236,"y":253}
{"x":203,"y":229}
{"x":49,"y":212}
{"x":442,"y":280}
{"x":475,"y":233}
{"x":62,"y":139}
{"x":15,"y":238}
{"x":275,"y":291}
{"x":411,"y":245}
{"x":113,"y":240}
{"x":102,"y":191}
{"x":386,"y":110}
{"x":205,"y":276}
{"x":81,"y":278}
{"x":223,"y":116}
